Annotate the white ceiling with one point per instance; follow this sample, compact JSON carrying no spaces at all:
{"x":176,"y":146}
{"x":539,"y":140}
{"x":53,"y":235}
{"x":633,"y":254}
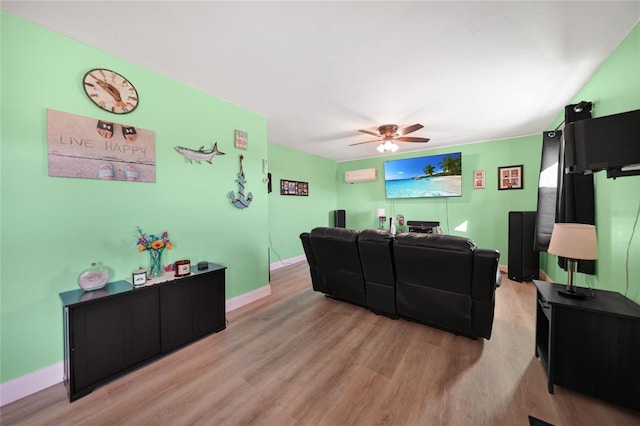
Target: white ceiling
{"x":319,"y":71}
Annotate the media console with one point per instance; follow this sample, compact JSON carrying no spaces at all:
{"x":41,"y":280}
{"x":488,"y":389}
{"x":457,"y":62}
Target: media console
{"x":423,"y":227}
{"x":111,"y":331}
{"x":590,"y":345}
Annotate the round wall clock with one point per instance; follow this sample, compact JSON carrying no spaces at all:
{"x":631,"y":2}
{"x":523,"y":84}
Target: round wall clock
{"x":110,"y":91}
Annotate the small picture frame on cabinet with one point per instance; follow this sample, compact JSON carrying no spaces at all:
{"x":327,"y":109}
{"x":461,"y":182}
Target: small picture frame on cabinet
{"x":183,"y":268}
{"x":139,"y":277}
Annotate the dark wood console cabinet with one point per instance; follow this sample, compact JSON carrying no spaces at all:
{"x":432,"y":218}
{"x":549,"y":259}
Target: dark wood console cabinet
{"x":590,"y":345}
{"x":113,"y":330}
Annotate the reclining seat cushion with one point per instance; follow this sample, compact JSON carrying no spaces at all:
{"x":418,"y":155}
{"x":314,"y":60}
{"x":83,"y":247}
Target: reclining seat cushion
{"x":434,"y":278}
{"x":338,"y":263}
{"x":376,"y":257}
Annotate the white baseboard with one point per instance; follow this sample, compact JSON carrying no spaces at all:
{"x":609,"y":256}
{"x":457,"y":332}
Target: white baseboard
{"x":287,"y":262}
{"x":31,"y":383}
{"x":28,"y":384}
{"x":246,"y":298}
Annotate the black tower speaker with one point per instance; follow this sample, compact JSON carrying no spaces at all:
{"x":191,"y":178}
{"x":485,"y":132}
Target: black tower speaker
{"x":339,"y":219}
{"x":524,"y":261}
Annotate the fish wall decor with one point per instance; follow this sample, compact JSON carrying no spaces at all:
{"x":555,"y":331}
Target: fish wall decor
{"x":199,"y":155}
{"x":241,"y":201}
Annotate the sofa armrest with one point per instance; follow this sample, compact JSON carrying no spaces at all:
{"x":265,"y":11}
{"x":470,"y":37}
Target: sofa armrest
{"x":485,"y":267}
{"x":316,"y":281}
{"x":306,"y":246}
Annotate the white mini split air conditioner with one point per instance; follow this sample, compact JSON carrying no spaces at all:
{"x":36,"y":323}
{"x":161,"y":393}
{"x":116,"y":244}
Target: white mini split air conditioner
{"x":364,"y":175}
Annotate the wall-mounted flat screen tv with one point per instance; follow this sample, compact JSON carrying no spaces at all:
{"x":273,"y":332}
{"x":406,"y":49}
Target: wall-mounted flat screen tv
{"x":431,"y":176}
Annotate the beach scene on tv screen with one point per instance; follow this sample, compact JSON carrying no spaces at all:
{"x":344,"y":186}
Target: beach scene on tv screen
{"x":432,"y":176}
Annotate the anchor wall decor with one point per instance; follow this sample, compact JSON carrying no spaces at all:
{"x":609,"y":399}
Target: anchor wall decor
{"x":241,"y":201}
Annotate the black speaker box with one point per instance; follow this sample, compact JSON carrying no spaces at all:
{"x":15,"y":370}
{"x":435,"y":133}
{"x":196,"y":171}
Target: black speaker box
{"x":339,"y":219}
{"x":524,"y":261}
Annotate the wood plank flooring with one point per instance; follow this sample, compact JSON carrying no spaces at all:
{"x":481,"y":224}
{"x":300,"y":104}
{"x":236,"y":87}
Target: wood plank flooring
{"x":299,"y":358}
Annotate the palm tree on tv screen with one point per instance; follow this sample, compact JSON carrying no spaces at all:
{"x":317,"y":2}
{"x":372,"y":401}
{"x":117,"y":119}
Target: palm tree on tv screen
{"x":451,"y":165}
{"x":428,"y":170}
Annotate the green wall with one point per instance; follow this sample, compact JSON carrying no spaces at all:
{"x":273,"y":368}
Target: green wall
{"x":614,"y":88}
{"x":484,"y":211}
{"x":291,"y":215}
{"x":52,"y":228}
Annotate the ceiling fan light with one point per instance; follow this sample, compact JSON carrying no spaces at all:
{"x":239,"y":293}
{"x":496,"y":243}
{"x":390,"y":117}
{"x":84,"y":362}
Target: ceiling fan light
{"x":389,"y":134}
{"x":387,"y":146}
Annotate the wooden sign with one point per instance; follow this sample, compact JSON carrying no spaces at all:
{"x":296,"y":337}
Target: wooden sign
{"x":90,"y":148}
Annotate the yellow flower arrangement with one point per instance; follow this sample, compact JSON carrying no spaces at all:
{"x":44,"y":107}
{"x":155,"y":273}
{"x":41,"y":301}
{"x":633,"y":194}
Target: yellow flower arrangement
{"x":153,"y":242}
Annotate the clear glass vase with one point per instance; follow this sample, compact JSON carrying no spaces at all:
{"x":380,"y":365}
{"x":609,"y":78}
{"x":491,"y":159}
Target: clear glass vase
{"x":93,"y":278}
{"x":155,"y":263}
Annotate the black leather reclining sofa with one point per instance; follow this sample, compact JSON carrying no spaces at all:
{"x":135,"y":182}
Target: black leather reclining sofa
{"x":440,"y":280}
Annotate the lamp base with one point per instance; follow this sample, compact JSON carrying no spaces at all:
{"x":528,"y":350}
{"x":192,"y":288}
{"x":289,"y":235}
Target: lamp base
{"x":575,"y":294}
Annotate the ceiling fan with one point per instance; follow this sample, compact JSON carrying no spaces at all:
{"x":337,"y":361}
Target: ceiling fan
{"x":390,"y":133}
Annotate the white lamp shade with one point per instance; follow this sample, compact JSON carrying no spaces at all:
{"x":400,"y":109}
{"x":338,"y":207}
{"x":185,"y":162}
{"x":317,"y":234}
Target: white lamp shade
{"x":574,"y":241}
{"x":380,"y":213}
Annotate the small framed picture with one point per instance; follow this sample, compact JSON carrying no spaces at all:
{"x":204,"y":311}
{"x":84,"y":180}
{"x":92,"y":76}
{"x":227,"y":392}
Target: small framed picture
{"x":139,"y":277}
{"x":478,"y":179}
{"x":183,"y":267}
{"x":241,"y":141}
{"x":293,"y":187}
{"x":510,"y":177}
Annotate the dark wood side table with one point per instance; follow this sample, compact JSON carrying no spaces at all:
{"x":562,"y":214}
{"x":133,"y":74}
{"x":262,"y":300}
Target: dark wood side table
{"x":111,"y":331}
{"x":590,"y":345}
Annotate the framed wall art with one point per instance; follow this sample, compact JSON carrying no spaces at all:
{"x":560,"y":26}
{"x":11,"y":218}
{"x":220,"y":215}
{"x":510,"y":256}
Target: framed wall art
{"x":293,"y":187}
{"x":510,"y":177}
{"x":240,"y":139}
{"x":92,"y":148}
{"x":478,"y":179}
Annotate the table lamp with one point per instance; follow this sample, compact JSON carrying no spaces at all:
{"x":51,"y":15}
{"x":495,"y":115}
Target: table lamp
{"x":380,"y":214}
{"x":573,"y":241}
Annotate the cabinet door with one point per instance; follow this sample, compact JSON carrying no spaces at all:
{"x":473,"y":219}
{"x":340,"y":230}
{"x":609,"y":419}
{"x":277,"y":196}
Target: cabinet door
{"x":176,"y":304}
{"x":209,"y":304}
{"x":144,"y":316}
{"x":192,"y":307}
{"x":112,"y":335}
{"x":596,"y":354}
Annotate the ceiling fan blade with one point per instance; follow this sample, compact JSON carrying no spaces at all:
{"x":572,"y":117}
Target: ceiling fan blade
{"x":410,"y":129}
{"x":360,"y":143}
{"x":412,"y":139}
{"x":370,"y":132}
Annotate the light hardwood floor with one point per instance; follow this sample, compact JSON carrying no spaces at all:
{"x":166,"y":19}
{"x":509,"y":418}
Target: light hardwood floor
{"x":299,"y":358}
